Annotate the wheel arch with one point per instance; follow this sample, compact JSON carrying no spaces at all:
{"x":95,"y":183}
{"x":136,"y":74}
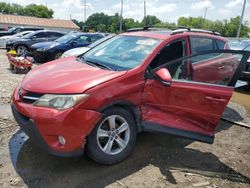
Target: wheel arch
{"x":131,"y":108}
{"x":20,"y":44}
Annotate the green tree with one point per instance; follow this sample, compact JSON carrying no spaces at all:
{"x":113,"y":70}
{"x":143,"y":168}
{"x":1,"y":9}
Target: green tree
{"x":150,"y":21}
{"x":40,"y":11}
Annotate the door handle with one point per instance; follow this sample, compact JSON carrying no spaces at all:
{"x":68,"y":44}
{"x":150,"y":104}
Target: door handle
{"x":215,"y":99}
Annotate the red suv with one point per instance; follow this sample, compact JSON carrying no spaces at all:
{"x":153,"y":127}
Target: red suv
{"x":175,"y":82}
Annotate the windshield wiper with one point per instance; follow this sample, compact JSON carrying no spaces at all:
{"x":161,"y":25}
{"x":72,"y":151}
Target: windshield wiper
{"x":96,"y":64}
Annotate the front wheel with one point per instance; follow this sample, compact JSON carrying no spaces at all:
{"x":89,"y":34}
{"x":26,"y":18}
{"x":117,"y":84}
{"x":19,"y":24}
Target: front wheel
{"x":113,"y":138}
{"x":58,"y":55}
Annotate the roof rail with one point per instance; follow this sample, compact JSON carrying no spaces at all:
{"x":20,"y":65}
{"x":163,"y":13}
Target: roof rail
{"x":147,"y":29}
{"x":187,"y":29}
{"x":138,"y":29}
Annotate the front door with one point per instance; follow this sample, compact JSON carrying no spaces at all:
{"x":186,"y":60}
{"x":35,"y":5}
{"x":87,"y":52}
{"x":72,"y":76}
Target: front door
{"x":189,"y":107}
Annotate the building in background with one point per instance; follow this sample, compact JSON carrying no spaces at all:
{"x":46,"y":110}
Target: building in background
{"x":8,"y":21}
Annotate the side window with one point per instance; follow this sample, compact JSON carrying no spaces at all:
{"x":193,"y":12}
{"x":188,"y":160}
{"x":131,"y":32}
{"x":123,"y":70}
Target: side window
{"x":200,"y":44}
{"x":55,"y":34}
{"x":95,"y":38}
{"x":40,"y":35}
{"x":220,"y":44}
{"x":172,"y":51}
{"x":82,"y":40}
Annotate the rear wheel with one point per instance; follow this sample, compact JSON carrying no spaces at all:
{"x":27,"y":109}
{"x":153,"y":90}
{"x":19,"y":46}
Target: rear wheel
{"x":113,"y":138}
{"x":11,"y":66}
{"x":16,"y":69}
{"x":58,"y":55}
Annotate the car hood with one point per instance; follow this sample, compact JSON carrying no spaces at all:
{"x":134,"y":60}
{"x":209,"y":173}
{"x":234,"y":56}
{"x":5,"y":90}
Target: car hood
{"x":46,"y":45}
{"x":66,"y":76}
{"x":75,"y":51}
{"x":6,"y":37}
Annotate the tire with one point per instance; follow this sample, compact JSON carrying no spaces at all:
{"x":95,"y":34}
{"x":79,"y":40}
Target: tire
{"x":21,"y":50}
{"x":16,"y":70}
{"x":11,"y":66}
{"x":58,"y":55}
{"x":122,"y":142}
{"x":28,"y":69}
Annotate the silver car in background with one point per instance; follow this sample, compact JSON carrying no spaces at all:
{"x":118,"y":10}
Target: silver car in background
{"x":4,"y":39}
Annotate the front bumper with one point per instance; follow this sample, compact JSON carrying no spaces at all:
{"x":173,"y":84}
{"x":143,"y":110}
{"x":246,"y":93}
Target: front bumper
{"x":41,"y":56}
{"x":9,"y":46}
{"x":44,"y":125}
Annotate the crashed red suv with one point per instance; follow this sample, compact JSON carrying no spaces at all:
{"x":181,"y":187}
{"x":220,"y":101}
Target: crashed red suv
{"x":172,"y":82}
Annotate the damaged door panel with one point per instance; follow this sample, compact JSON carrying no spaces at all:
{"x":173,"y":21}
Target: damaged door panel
{"x":190,"y":105}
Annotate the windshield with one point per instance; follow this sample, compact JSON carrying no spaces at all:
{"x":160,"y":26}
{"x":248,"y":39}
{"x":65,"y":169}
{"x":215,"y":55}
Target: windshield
{"x":100,"y":41}
{"x":12,"y":29}
{"x":30,"y":35}
{"x":122,"y":52}
{"x":247,"y":48}
{"x":22,"y":34}
{"x":65,"y":38}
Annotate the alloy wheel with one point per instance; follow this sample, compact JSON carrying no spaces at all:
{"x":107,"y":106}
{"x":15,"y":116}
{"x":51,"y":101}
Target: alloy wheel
{"x":22,"y":50}
{"x":113,"y":134}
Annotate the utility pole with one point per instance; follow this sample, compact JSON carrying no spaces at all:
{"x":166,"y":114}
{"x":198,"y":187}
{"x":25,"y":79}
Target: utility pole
{"x":145,"y":13}
{"x":241,"y":19}
{"x":85,"y":12}
{"x":205,"y":13}
{"x":121,"y":16}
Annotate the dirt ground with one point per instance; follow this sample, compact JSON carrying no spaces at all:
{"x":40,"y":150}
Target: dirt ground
{"x":157,"y":161}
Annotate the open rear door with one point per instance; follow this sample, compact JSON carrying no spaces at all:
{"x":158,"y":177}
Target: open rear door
{"x":192,"y":103}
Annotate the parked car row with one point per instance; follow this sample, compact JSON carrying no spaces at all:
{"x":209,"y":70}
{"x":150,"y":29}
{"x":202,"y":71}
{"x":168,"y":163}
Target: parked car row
{"x":46,"y":45}
{"x":47,"y":51}
{"x":15,"y":30}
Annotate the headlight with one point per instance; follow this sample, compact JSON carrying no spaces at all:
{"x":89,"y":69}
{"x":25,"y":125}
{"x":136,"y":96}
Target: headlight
{"x":60,"y":102}
{"x":9,"y":41}
{"x":41,"y":49}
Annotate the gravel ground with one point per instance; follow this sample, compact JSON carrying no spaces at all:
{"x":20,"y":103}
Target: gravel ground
{"x":157,"y":161}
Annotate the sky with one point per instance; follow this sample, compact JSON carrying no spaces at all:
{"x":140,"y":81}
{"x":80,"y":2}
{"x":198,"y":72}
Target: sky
{"x":166,"y":10}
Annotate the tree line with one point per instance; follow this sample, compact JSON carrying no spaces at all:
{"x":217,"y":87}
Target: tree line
{"x":104,"y":23}
{"x":39,"y":11}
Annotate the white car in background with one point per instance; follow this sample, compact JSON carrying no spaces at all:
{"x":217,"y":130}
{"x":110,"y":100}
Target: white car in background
{"x":4,"y":39}
{"x":81,"y":50}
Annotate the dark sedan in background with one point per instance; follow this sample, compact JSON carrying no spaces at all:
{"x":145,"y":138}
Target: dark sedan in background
{"x":15,"y":30}
{"x":22,"y":45}
{"x":48,"y":51}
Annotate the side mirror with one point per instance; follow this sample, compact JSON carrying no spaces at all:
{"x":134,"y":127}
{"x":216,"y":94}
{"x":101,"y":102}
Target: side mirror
{"x":164,"y":76}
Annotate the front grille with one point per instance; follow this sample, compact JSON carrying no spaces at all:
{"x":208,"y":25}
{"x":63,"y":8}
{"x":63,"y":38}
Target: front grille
{"x":31,"y":97}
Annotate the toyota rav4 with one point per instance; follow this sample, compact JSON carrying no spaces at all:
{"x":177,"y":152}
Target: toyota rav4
{"x":175,"y":82}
